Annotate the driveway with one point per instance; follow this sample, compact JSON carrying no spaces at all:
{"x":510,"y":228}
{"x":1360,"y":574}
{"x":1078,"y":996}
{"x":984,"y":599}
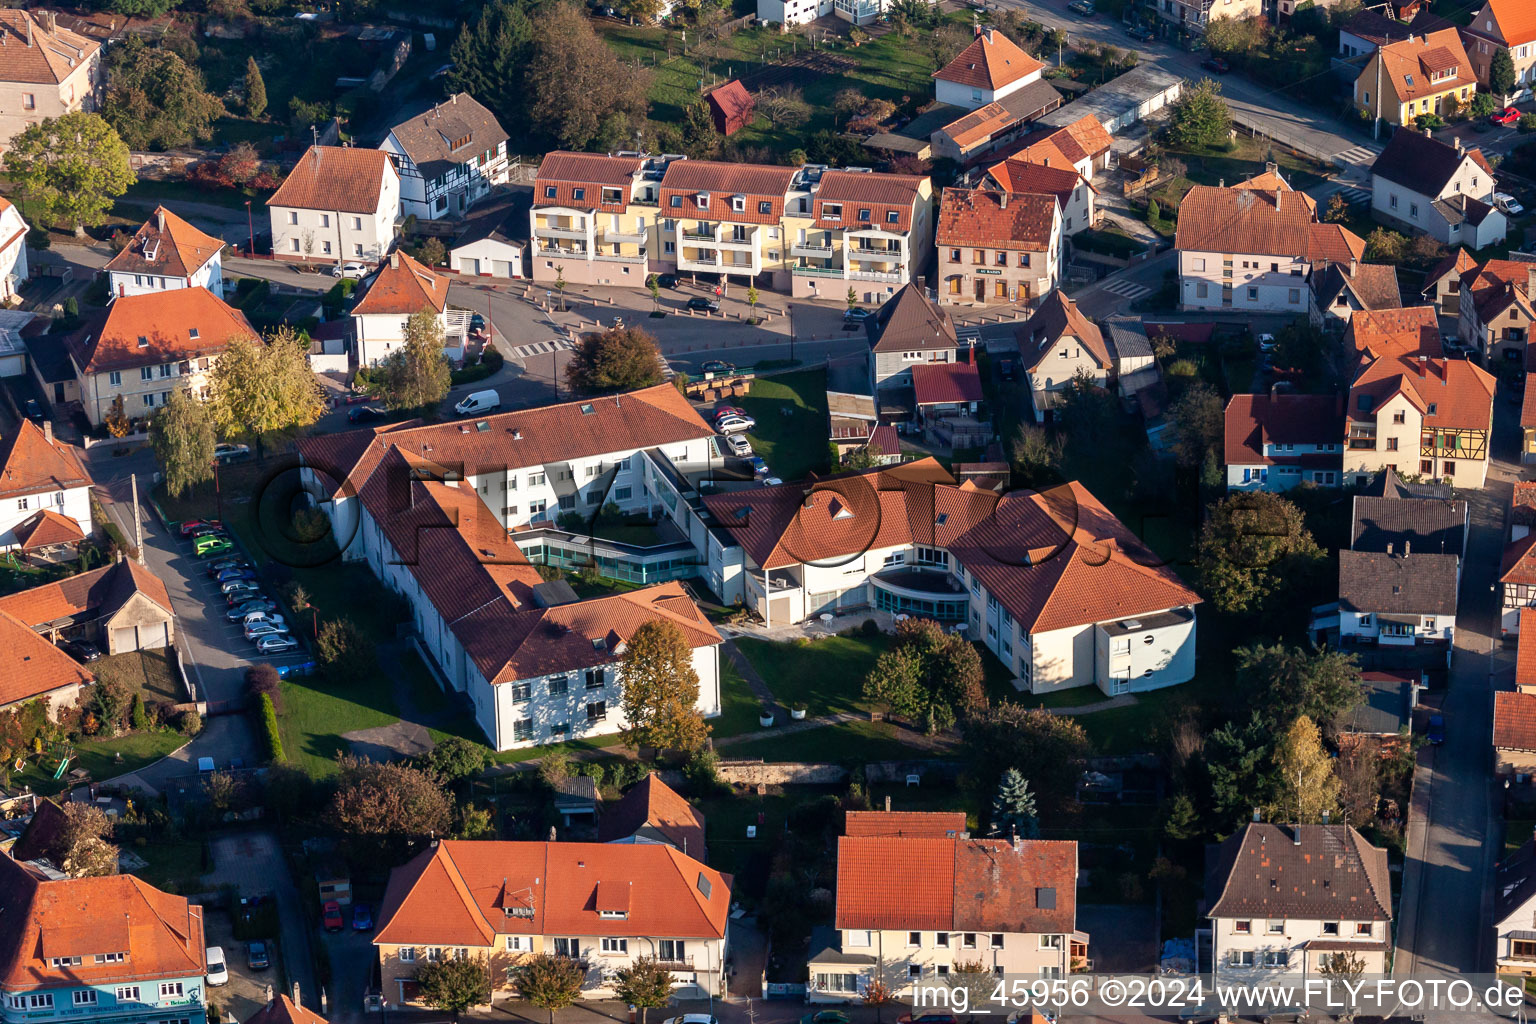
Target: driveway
{"x":254,"y":865}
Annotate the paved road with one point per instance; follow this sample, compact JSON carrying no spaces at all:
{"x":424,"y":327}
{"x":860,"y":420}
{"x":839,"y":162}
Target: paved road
{"x":253,"y":863}
{"x":1452,"y":849}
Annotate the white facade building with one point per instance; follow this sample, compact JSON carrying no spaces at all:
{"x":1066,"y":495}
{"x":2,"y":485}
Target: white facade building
{"x":13,"y":252}
{"x":449,"y":158}
{"x":165,"y":254}
{"x":337,"y":205}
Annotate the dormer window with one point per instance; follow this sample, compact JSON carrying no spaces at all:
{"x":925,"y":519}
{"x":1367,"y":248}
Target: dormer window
{"x":864,"y":216}
{"x":701,"y":200}
{"x":613,"y":915}
{"x":578,"y":194}
{"x":460,"y":143}
{"x":612,"y":196}
{"x":765,"y":208}
{"x":739,"y":204}
{"x":143,"y":341}
{"x":892,"y":217}
{"x":831,"y":211}
{"x":1432,"y":407}
{"x":550,"y":191}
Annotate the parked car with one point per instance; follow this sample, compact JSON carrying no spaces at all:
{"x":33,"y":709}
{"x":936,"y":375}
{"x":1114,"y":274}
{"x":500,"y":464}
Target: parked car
{"x":227,"y":563}
{"x":330,"y":916}
{"x":1084,"y":7}
{"x":354,"y":270}
{"x":735,"y":424}
{"x":703,"y":304}
{"x":231,"y":452}
{"x":825,"y":1017}
{"x":247,"y":588}
{"x":218,"y":970}
{"x":772,"y":481}
{"x":362,"y":917}
{"x":714,"y":365}
{"x":722,"y":411}
{"x":691,"y":1018}
{"x":666,"y":280}
{"x":477,"y":322}
{"x":364,"y":414}
{"x":34,"y":411}
{"x":1436,"y":731}
{"x":257,"y":630}
{"x":1508,"y":203}
{"x":853,"y":315}
{"x":1509,"y":115}
{"x":238,"y":612}
{"x":1138,"y":32}
{"x":208,"y":531}
{"x":277,"y":643}
{"x":739,"y":446}
{"x":759,"y":467}
{"x":193,"y":524}
{"x":256,"y":956}
{"x":1216,"y":65}
{"x":81,"y":650}
{"x":235,"y":574}
{"x":205,"y":547}
{"x":1266,"y":343}
{"x":258,"y":615}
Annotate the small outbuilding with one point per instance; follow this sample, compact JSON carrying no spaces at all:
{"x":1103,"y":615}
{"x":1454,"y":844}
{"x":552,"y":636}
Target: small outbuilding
{"x":731,"y":107}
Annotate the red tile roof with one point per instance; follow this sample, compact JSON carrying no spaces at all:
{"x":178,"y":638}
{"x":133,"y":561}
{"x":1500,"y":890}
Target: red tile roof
{"x":1514,"y":721}
{"x":161,"y":934}
{"x":1254,"y":420}
{"x":1054,"y":559}
{"x":157,"y":327}
{"x":884,"y":440}
{"x":1525,"y":651}
{"x":1456,"y":264}
{"x":932,"y":884}
{"x":732,"y":107}
{"x":1268,"y":181}
{"x":89,"y":595}
{"x":404,"y":286}
{"x":30,"y":665}
{"x":457,"y":894}
{"x":1499,"y":284}
{"x":45,"y":528}
{"x":166,"y":245}
{"x":1518,"y":564}
{"x":37,"y":56}
{"x":282,"y":1010}
{"x":1270,"y":223}
{"x":929,"y":824}
{"x":652,"y":806}
{"x":877,"y":195}
{"x":1516,"y":20}
{"x":720,"y":182}
{"x":1460,"y":392}
{"x":1394,"y":333}
{"x":31,"y":464}
{"x":992,"y":61}
{"x":996,"y":220}
{"x":565,"y":172}
{"x":946,"y":383}
{"x":1059,"y":317}
{"x":1016,"y":175}
{"x":1306,"y":871}
{"x":1406,"y":64}
{"x":339,"y":179}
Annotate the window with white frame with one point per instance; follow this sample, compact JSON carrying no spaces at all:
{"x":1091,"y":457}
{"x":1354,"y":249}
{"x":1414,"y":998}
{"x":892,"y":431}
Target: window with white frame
{"x":84,"y":997}
{"x":407,"y":954}
{"x":615,"y":945}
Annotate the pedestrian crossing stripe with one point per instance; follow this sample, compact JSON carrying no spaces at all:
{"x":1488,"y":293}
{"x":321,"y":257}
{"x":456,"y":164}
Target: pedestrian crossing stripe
{"x":540,"y":348}
{"x":1359,"y":155}
{"x":1128,"y":289}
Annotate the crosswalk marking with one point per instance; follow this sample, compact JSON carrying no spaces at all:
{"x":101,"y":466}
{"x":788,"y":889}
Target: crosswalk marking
{"x":1128,"y":289}
{"x":1354,"y":196}
{"x":541,"y":348}
{"x":967,"y":334}
{"x":1359,"y":155}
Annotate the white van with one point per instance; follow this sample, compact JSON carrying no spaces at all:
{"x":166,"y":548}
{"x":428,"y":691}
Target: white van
{"x":479,"y":402}
{"x":218,"y":971}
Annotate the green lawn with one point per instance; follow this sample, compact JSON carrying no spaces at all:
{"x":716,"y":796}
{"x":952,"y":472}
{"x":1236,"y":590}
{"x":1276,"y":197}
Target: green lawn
{"x":1517,"y":832}
{"x":572,"y":747}
{"x":316,"y":712}
{"x":99,"y":757}
{"x":822,"y":676}
{"x":794,"y":443}
{"x":739,"y":705}
{"x":855,"y":742}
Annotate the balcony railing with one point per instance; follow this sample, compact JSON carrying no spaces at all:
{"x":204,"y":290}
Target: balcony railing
{"x":574,"y":234}
{"x":690,"y":263}
{"x":748,"y":244}
{"x":609,"y":257}
{"x":870,"y":275}
{"x":555,"y":250}
{"x":810,"y":249}
{"x":611,"y":235}
{"x":817,"y":271}
{"x":695,"y":236}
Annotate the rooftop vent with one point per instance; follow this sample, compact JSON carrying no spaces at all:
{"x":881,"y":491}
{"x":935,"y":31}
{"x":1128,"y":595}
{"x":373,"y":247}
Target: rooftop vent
{"x":482,"y":425}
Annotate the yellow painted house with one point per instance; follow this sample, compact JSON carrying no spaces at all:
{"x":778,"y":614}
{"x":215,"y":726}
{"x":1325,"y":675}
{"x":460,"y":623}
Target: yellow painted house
{"x":1413,"y":77}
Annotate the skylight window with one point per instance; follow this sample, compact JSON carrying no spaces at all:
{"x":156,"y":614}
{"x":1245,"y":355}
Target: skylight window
{"x":192,"y":333}
{"x":143,"y":341}
{"x":586,"y":409}
{"x":943,"y":517}
{"x":743,"y":512}
{"x":482,"y":425}
{"x":704,"y":886}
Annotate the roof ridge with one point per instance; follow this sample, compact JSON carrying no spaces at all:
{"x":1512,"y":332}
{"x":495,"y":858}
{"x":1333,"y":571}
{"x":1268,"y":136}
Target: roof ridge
{"x":461,"y":887}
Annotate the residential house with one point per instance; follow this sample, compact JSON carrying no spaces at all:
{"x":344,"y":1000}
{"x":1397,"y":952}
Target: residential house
{"x":1051,"y":582}
{"x":1294,"y":897}
{"x":1057,"y":346}
{"x":494,"y":239}
{"x":1425,"y":186}
{"x":167,"y":253}
{"x":998,"y":248}
{"x":1012,"y":905}
{"x":1420,"y":415}
{"x":448,"y":158}
{"x":13,"y":250}
{"x":338,"y":204}
{"x":868,"y":232}
{"x":1082,"y":145}
{"x":798,"y":12}
{"x":1528,"y":427}
{"x":282,"y":1010}
{"x":45,"y":491}
{"x":120,"y":608}
{"x":1514,"y":735}
{"x":1398,"y":597}
{"x":727,"y":218}
{"x":907,"y":329}
{"x":1386,"y":711}
{"x":142,"y":346}
{"x":1396,"y":333}
{"x":595,"y":219}
{"x":1431,"y":525}
{"x":1497,"y":311}
{"x":48,"y":71}
{"x":1275,"y":442}
{"x":1508,"y":25}
{"x":654,"y":812}
{"x":1075,"y":195}
{"x":1192,"y":16}
{"x":1525,"y":653}
{"x":1514,"y":906}
{"x":602,"y":905}
{"x":905,"y":824}
{"x":989,"y":69}
{"x":1517,"y":567}
{"x":1122,"y":102}
{"x":948,"y":399}
{"x":731,"y":107}
{"x":110,"y":948}
{"x":1130,"y":350}
{"x":402,"y":288}
{"x":1344,"y":289}
{"x":979,"y":133}
{"x":1246,"y":250}
{"x":32,"y":668}
{"x":1442,"y":283}
{"x":1406,"y":79}
{"x":1366,"y":30}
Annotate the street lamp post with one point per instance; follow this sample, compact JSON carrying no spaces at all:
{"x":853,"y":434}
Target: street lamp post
{"x":217,"y":494}
{"x":251,"y":226}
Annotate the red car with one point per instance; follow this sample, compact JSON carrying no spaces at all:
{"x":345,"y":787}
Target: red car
{"x":1509,"y":115}
{"x":330,"y":916}
{"x":192,"y":525}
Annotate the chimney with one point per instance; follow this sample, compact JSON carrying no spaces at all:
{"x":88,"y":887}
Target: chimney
{"x":1530,"y":281}
{"x":1407,"y":548}
{"x":1278,"y":190}
{"x":1296,"y":834}
{"x":1422,"y":364}
{"x":1389,"y":547}
{"x":394,"y":260}
{"x":1325,"y":817}
{"x":48,"y":430}
{"x":887,"y":803}
{"x":1002,"y":200}
{"x":1428,"y":134}
{"x":28,"y":19}
{"x":1221,"y":182}
{"x":1461,"y":147}
{"x":1270,"y":167}
{"x":1255,"y":815}
{"x":160,"y":218}
{"x":1017,"y":844}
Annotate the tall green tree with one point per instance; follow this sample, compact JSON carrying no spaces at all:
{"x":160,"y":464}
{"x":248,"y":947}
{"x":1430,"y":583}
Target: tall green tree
{"x":1199,"y":420}
{"x":698,"y":135}
{"x":1200,"y":117}
{"x":1240,"y":769}
{"x":490,"y":57}
{"x":181,"y":434}
{"x":416,"y":376}
{"x":70,"y":169}
{"x":1279,"y":681}
{"x":454,"y":985}
{"x":1044,"y":747}
{"x":264,"y":390}
{"x":550,"y":982}
{"x":1013,"y":808}
{"x":1306,"y":785}
{"x":930,"y":676}
{"x":661,"y":689}
{"x":583,"y":96}
{"x":255,"y":89}
{"x":1256,"y":554}
{"x":1501,"y":73}
{"x":618,"y":359}
{"x":644,"y":984}
{"x":381,"y":807}
{"x":155,"y":99}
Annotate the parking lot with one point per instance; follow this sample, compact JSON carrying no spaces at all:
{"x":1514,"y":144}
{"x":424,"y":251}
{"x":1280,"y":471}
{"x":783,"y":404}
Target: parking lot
{"x":246,"y":990}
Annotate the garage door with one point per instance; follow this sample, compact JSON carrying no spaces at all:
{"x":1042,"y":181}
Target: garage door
{"x":504,"y":268}
{"x":125,"y":640}
{"x":778,"y":611}
{"x":152,"y":637}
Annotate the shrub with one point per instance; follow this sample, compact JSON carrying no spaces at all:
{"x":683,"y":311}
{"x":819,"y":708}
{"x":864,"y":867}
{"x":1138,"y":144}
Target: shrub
{"x":595,"y":771}
{"x":191,"y":723}
{"x":703,"y":772}
{"x":870,"y":628}
{"x":263,"y":681}
{"x":270,"y":733}
{"x":1527,"y":123}
{"x":137,"y":715}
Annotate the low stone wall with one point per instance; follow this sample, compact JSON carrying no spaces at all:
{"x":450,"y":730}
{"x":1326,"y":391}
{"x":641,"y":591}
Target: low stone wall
{"x":760,"y":773}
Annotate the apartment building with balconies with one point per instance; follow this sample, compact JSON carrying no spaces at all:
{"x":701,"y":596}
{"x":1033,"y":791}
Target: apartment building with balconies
{"x":595,"y":218}
{"x":868,"y":232}
{"x":1194,"y":15}
{"x":732,"y":219}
